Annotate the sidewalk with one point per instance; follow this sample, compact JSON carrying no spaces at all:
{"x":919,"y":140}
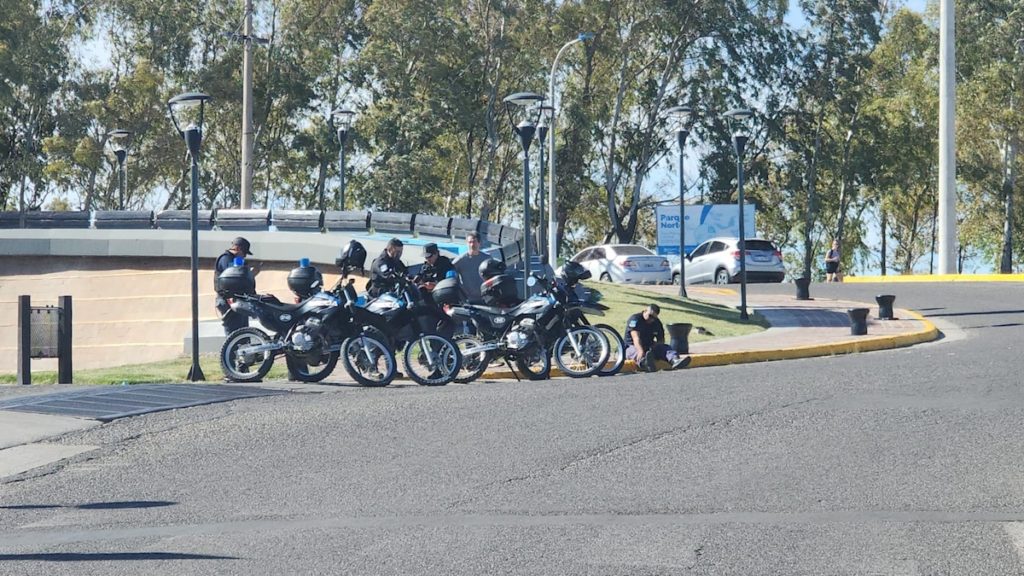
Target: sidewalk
{"x":802,"y":328}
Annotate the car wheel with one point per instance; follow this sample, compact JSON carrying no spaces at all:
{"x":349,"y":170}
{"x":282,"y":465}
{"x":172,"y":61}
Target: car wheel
{"x":675,"y":279}
{"x":722,"y":276}
{"x":606,"y":277}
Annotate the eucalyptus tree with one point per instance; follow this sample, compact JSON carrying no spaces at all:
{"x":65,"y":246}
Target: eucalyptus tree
{"x":990,"y":58}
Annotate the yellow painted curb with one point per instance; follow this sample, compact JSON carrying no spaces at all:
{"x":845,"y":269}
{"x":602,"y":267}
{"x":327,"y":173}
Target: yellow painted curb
{"x":862,"y":344}
{"x":935,"y":278}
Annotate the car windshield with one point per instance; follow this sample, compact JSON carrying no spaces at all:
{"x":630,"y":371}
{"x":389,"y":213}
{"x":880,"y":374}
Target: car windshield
{"x":762,"y":245}
{"x":632,"y":251}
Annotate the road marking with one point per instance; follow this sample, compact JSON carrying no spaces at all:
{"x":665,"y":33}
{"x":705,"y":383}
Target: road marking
{"x":1015,"y":530}
{"x":28,"y":456}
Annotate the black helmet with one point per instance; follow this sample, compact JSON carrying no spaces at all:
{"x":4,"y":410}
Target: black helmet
{"x":573,"y":272}
{"x":490,"y":268}
{"x":353,"y":256}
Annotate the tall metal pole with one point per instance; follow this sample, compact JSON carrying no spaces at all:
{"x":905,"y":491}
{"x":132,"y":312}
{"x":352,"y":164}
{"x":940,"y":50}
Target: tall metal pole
{"x":341,"y":175}
{"x":740,"y":142}
{"x":247,"y":131}
{"x":193,"y":137}
{"x":121,"y":155}
{"x":947,"y":138}
{"x":527,"y":232}
{"x":542,"y":133}
{"x":553,"y":203}
{"x":681,"y":136}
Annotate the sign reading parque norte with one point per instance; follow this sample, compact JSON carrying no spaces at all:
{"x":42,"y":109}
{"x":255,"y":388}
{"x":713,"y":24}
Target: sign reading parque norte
{"x":703,"y":221}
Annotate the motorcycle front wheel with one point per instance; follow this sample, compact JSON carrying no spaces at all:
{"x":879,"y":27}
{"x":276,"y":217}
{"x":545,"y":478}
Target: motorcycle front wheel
{"x":616,"y":351}
{"x":432,"y":360}
{"x":368,"y":361}
{"x":237,"y":360}
{"x":586,"y":357}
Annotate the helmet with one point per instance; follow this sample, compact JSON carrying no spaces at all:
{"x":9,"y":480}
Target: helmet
{"x":306,"y":280}
{"x":573,"y":272}
{"x":448,"y":291}
{"x":353,"y":256}
{"x":490,"y":268}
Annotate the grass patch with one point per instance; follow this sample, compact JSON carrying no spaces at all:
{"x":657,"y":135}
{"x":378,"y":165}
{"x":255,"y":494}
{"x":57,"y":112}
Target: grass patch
{"x":623,"y":301}
{"x":717,"y":321}
{"x":166,"y":371}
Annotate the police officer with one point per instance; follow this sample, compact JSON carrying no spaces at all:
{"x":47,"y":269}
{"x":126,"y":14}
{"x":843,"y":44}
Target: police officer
{"x":435,"y":266}
{"x":388,"y":264}
{"x":229,"y":318}
{"x":646,"y":338}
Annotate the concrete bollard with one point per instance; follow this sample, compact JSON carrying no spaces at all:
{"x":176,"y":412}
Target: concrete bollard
{"x":858,"y":321}
{"x":680,"y":334}
{"x":803,"y":288}
{"x":885,"y":306}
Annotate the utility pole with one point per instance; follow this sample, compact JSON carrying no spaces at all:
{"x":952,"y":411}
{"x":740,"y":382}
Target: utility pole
{"x":947,"y":138}
{"x":247,"y":133}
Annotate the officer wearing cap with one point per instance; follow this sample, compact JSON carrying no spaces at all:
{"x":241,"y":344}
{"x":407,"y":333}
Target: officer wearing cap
{"x":435,"y":266}
{"x":229,"y":318}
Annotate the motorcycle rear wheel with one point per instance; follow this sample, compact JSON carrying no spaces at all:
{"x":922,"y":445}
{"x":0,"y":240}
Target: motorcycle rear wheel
{"x":473,"y":365}
{"x":238,"y":365}
{"x":302,"y":372}
{"x":616,"y":351}
{"x":536,"y":365}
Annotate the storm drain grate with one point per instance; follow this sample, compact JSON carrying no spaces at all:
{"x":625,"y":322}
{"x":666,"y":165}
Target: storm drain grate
{"x":106,"y":404}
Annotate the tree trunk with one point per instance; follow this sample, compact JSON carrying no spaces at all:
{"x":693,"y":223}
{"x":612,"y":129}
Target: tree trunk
{"x":1009,"y":179}
{"x":812,"y":179}
{"x":845,"y":197}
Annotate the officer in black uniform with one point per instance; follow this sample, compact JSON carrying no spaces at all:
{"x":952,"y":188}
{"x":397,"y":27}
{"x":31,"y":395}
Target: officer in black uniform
{"x":435,"y":266}
{"x":645,"y":337}
{"x":229,"y":318}
{"x":391,"y":260}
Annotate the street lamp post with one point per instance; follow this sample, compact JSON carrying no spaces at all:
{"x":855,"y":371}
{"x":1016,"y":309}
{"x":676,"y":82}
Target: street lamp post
{"x":738,"y":120}
{"x":529,"y":103}
{"x":186,"y":112}
{"x":553,"y":201}
{"x":342,"y":123}
{"x":119,"y":141}
{"x":681,"y":116}
{"x":546,"y":114}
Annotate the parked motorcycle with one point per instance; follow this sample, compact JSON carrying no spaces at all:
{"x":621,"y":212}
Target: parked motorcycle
{"x":528,"y":333}
{"x":311,"y":334}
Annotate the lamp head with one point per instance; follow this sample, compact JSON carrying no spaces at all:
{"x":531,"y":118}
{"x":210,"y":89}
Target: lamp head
{"x":118,"y":140}
{"x":584,"y":36}
{"x":739,"y":121}
{"x":525,"y":105}
{"x":343,"y":121}
{"x":681,"y":116}
{"x":187,"y":110}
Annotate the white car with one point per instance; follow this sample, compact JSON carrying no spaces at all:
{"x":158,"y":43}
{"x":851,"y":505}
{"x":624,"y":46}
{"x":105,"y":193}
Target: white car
{"x":624,"y":263}
{"x":718,"y":260}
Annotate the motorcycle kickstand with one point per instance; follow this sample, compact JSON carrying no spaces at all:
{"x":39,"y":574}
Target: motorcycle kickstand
{"x":514,"y":373}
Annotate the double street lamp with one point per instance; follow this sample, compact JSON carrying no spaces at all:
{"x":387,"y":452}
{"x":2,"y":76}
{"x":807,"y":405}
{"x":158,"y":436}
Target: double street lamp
{"x":681,"y":115}
{"x":186,"y":112}
{"x":525,"y":105}
{"x":342,"y":123}
{"x":739,"y":124}
{"x":118,"y":141}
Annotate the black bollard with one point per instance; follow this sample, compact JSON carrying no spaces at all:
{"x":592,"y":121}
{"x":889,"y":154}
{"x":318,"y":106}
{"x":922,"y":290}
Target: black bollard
{"x":858,"y":321}
{"x":680,"y":334}
{"x":885,"y":306}
{"x":803,"y":288}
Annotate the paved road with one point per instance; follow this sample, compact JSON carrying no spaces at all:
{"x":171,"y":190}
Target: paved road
{"x":897,"y":462}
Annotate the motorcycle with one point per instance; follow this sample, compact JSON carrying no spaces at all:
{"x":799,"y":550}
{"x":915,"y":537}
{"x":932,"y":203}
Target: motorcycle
{"x":529,"y":333}
{"x":311,"y":334}
{"x":414,"y":326}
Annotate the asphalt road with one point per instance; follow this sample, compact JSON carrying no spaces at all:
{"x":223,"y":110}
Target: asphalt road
{"x":896,"y":462}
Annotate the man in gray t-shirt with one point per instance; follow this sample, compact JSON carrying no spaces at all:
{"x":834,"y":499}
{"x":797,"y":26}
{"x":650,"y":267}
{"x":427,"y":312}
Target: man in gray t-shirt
{"x":468,"y":268}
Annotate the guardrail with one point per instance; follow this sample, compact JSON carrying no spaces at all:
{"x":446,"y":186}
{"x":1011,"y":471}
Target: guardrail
{"x":501,"y":241}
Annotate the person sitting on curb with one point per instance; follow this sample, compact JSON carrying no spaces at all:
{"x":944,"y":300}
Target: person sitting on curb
{"x":646,"y":337}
